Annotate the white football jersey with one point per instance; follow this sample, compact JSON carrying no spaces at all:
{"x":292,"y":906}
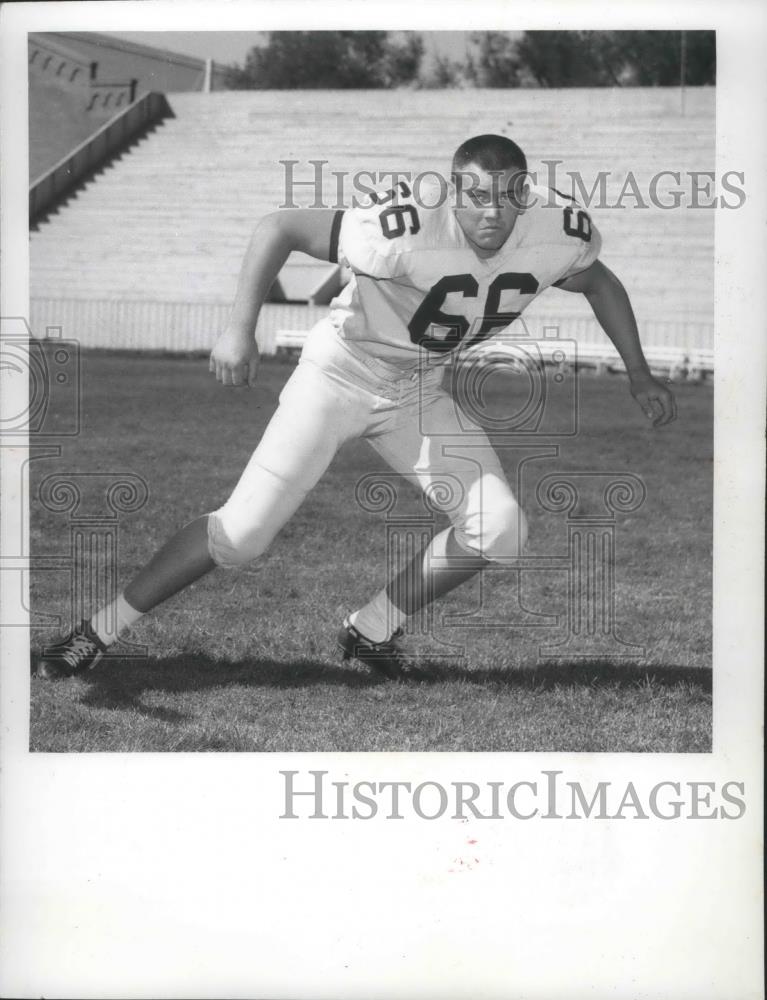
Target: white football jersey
{"x":418,"y":283}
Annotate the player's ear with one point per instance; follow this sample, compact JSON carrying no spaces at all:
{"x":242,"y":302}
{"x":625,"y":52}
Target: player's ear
{"x":525,"y":193}
{"x":521,"y":190}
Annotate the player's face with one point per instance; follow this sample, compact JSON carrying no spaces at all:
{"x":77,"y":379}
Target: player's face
{"x":487,"y":206}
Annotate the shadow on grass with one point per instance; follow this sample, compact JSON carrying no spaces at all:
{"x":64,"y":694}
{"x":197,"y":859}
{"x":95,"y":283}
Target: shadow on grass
{"x":123,"y":683}
{"x":578,"y":673}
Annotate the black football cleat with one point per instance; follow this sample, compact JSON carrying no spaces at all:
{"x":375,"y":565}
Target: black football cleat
{"x":386,"y":658}
{"x":79,"y":652}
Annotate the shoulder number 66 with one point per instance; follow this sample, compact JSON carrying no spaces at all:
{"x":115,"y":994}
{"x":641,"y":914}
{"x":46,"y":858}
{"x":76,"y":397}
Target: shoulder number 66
{"x":394,"y":221}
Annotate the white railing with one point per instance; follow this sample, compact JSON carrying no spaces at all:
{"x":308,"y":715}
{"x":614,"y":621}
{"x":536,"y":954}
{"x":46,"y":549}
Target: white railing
{"x":178,"y":327}
{"x":189,"y":327}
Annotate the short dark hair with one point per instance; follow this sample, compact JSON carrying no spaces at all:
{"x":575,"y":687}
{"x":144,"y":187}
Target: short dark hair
{"x":495,"y":154}
{"x":491,"y":152}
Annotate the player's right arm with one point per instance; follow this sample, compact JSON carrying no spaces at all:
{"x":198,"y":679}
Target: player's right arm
{"x":234,"y":357}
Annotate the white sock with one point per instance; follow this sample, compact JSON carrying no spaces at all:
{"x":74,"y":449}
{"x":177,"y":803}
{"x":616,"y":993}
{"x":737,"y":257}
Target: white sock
{"x":114,"y":619}
{"x":379,"y":619}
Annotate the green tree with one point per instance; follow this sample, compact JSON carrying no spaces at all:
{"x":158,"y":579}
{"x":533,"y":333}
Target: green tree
{"x":402,"y":60}
{"x":445,"y":72}
{"x":494,"y":62}
{"x":701,"y":57}
{"x":648,"y":58}
{"x":307,"y":60}
{"x":616,"y":58}
{"x":653,"y":58}
{"x":565,"y":58}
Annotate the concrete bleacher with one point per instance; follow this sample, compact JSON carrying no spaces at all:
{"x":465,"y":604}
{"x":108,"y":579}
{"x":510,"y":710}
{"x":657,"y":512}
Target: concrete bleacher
{"x":80,"y":80}
{"x":149,"y":252}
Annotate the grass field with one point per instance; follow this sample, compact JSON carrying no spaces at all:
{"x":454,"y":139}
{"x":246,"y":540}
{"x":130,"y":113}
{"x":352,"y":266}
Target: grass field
{"x":245,"y":660}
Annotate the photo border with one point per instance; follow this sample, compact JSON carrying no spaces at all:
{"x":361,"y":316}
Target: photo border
{"x":176,"y":871}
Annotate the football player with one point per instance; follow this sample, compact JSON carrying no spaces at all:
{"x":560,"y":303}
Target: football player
{"x":430,"y":275}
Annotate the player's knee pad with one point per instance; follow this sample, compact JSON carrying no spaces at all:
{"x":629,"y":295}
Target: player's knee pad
{"x":498,"y":534}
{"x":246,"y":525}
{"x":225,"y":548}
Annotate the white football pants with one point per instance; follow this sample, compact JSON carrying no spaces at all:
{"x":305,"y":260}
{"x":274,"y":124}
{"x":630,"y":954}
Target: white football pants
{"x":338,"y":393}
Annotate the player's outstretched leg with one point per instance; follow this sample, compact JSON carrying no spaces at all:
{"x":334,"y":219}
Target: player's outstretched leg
{"x":183,"y":559}
{"x":311,"y":422}
{"x":232,"y":536}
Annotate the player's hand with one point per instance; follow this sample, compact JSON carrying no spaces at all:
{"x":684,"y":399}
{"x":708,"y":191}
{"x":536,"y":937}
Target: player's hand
{"x":656,"y":399}
{"x":234,"y":359}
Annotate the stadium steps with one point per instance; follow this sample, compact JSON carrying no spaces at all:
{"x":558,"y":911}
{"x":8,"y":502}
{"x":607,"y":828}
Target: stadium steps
{"x":169,"y":221}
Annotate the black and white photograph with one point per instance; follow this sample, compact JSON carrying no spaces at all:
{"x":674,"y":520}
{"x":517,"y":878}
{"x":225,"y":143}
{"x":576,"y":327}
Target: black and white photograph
{"x":361,"y":464}
{"x":346,"y":414}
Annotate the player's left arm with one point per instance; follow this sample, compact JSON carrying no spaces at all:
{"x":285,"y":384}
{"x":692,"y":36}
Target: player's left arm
{"x":612,"y":308}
